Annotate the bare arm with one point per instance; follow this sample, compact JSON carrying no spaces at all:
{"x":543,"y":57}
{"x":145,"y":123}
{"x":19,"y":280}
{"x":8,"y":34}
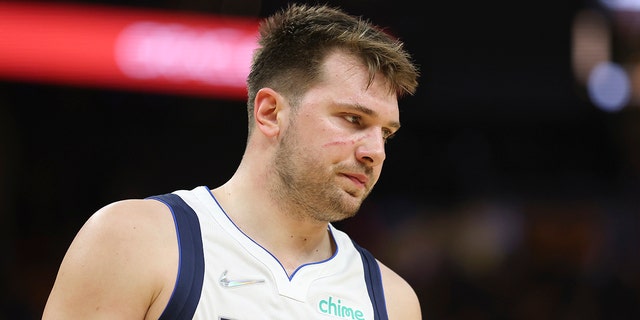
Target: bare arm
{"x":122,"y":264}
{"x":402,"y":300}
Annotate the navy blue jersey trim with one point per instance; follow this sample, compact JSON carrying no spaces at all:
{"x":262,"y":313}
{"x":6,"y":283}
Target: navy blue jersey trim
{"x":373,"y":279}
{"x":188,"y":288}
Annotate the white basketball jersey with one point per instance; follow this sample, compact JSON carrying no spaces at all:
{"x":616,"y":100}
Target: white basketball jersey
{"x":224,"y":274}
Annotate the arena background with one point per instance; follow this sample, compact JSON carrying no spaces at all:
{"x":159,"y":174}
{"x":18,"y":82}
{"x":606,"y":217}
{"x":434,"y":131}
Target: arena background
{"x":511,"y":191}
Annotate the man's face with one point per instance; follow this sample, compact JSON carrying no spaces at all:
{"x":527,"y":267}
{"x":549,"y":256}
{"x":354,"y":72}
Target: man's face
{"x":331,"y":152}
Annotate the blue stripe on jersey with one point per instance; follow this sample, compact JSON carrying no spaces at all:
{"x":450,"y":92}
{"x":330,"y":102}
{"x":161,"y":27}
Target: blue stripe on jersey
{"x":374,"y":283}
{"x":188,"y":287}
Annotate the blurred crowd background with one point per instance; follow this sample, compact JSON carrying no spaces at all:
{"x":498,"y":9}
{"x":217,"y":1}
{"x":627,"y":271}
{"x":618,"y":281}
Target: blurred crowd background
{"x":511,"y":192}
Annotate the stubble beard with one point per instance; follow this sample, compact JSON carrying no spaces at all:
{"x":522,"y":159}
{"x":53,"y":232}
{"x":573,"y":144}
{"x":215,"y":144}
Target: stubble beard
{"x":304,"y":187}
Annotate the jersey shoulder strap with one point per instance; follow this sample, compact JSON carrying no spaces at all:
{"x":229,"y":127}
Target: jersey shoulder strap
{"x":188,"y":288}
{"x":373,"y":279}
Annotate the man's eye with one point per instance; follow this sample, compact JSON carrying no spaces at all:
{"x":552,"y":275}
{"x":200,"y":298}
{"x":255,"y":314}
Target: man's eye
{"x":387,"y":134}
{"x":353,"y":118}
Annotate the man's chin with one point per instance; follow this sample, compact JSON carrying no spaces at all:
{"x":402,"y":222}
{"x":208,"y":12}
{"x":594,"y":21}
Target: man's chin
{"x":357,"y":193}
{"x":351,"y":205}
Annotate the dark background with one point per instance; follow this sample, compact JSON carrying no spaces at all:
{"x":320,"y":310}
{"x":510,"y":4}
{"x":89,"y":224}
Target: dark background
{"x":506,"y":195}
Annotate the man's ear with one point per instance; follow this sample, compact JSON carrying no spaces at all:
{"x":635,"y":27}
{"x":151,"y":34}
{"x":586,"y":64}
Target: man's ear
{"x":267,"y":111}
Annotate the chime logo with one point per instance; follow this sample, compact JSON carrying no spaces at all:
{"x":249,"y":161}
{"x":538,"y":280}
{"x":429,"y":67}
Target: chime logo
{"x":335,"y":307}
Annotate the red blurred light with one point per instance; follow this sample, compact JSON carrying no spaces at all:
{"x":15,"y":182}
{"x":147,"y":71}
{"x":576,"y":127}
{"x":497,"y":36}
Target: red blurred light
{"x":133,"y":49}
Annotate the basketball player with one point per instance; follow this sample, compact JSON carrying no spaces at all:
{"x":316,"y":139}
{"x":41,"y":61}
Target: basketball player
{"x":323,"y":97}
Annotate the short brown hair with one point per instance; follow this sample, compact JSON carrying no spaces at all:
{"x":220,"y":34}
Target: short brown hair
{"x":294,"y":41}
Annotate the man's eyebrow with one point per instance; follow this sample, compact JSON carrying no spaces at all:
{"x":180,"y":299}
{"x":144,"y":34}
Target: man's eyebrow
{"x":370,"y":112}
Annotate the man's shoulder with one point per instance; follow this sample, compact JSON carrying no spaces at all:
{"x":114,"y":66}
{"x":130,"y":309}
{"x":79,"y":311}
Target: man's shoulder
{"x":128,"y":214}
{"x":125,"y":254}
{"x":129,"y":226}
{"x":401,"y":299}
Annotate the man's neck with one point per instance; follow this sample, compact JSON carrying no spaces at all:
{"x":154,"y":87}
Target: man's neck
{"x":292,"y":237}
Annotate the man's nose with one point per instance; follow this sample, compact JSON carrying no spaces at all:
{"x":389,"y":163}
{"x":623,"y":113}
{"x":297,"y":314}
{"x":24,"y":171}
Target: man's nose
{"x":371,"y":150}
